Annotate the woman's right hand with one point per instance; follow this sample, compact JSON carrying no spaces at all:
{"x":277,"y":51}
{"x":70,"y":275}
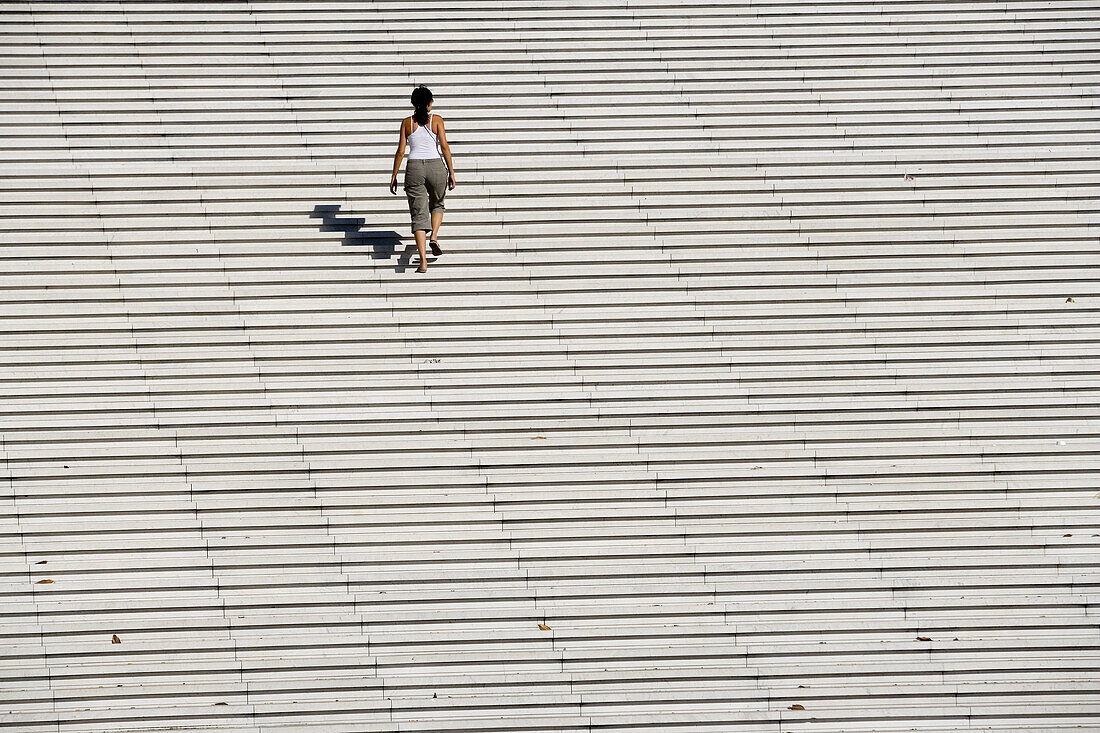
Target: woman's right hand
{"x":450,"y":180}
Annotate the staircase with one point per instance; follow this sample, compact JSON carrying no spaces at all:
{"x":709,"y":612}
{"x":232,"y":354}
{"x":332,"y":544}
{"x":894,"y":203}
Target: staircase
{"x":756,"y":390}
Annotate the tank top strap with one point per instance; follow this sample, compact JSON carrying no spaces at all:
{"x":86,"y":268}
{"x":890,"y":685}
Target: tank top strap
{"x":427,"y":127}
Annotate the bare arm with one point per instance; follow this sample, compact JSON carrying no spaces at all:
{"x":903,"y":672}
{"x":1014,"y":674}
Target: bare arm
{"x":398,"y":157}
{"x":442,"y":135}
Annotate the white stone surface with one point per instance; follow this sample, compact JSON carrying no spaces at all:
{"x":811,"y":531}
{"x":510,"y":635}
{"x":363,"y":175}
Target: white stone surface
{"x":760,"y":369}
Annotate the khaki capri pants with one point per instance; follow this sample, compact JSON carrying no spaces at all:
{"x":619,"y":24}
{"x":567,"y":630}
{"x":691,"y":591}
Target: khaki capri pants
{"x":425,"y":186}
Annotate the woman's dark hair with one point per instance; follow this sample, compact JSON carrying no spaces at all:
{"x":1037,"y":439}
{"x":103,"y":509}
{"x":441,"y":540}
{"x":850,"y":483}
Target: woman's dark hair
{"x":420,"y":98}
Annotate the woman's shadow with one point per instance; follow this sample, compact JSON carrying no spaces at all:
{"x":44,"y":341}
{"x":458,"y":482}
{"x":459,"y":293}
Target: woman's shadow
{"x":383,"y":244}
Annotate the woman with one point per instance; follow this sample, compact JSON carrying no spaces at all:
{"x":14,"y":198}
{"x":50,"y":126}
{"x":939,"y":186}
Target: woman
{"x":427,"y":178}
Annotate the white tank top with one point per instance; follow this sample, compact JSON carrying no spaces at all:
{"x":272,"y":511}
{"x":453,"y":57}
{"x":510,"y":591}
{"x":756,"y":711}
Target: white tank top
{"x":422,"y":143}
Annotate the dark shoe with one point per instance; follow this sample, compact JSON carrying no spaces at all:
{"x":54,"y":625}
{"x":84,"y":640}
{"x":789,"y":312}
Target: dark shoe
{"x":435,"y":248}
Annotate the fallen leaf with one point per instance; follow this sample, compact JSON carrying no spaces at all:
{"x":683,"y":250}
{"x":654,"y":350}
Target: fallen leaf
{"x":221,"y":703}
{"x":539,"y":437}
{"x":43,"y":581}
{"x":115,"y":639}
{"x":923,"y":638}
{"x":1067,"y":535}
{"x":544,"y":627}
{"x":1070,"y":300}
{"x":41,"y":562}
{"x":796,"y":706}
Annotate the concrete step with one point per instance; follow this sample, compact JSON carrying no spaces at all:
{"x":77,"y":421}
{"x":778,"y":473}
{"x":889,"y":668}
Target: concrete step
{"x":791,"y":425}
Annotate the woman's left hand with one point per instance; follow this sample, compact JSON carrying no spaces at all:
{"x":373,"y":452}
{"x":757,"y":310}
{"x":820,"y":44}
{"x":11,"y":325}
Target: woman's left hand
{"x":393,"y":184}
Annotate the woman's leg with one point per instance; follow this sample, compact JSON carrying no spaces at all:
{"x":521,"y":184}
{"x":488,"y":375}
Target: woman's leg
{"x":437,"y":219}
{"x":417,"y":193}
{"x":421,"y":242}
{"x":436,"y":177}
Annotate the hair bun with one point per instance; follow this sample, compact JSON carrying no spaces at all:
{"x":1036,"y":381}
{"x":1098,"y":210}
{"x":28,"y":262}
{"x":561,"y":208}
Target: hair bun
{"x":421,"y":96}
